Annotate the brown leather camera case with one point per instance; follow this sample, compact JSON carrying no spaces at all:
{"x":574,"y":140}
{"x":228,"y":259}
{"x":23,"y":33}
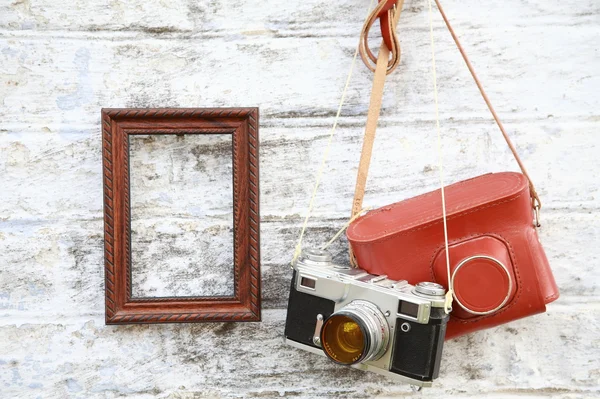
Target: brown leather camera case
{"x":498,"y":266}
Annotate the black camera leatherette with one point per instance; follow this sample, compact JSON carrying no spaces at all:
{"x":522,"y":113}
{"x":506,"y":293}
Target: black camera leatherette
{"x":418,"y":352}
{"x":302,"y":315}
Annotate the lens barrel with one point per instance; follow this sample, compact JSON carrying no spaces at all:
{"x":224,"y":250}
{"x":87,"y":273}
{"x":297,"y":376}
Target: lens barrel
{"x":356,"y":333}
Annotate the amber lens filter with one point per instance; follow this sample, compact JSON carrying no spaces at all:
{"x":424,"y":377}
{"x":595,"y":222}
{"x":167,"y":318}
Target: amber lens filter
{"x":343,"y":339}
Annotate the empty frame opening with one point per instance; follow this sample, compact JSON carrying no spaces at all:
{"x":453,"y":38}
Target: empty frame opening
{"x":181,"y":189}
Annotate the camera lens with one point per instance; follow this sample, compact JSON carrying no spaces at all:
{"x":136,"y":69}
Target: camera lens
{"x":344,"y":340}
{"x":356,"y":333}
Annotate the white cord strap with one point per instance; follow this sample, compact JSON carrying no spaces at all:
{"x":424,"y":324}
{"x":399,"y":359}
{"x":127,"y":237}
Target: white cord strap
{"x":449,"y":294}
{"x":311,"y":204}
{"x":339,"y":233}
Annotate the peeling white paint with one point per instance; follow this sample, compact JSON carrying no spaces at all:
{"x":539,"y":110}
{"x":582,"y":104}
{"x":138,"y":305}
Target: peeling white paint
{"x":181,"y":215}
{"x":61,"y":62}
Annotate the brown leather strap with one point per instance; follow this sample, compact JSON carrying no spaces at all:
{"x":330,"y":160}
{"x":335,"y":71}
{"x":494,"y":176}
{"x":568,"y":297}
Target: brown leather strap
{"x":384,"y":22}
{"x":382,"y":68}
{"x":534,"y":195}
{"x":388,"y":18}
{"x":377,"y":94}
{"x":369,"y":137}
{"x":370,"y":129}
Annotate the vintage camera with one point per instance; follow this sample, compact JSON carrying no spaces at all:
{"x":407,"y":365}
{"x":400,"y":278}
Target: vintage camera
{"x":366,"y":321}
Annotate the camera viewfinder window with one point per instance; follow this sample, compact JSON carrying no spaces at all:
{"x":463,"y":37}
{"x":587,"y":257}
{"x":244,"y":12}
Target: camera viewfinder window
{"x":308,"y":283}
{"x":408,"y":309}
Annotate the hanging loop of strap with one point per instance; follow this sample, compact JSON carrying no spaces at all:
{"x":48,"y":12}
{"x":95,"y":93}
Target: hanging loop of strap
{"x":386,"y":11}
{"x":377,"y":93}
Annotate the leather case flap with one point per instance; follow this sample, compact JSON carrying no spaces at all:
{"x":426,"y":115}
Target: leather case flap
{"x":421,"y":210}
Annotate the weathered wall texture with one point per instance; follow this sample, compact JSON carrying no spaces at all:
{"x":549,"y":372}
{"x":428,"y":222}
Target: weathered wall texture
{"x":181,"y":219}
{"x":60,"y":62}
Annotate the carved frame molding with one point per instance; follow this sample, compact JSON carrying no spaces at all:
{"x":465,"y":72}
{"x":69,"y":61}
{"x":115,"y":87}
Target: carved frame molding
{"x":117,"y":126}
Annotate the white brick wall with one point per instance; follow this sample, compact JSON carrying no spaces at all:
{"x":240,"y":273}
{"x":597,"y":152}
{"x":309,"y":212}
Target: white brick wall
{"x":60,"y":62}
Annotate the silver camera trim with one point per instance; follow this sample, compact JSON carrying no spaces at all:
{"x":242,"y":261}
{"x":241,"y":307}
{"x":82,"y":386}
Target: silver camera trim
{"x":327,"y":281}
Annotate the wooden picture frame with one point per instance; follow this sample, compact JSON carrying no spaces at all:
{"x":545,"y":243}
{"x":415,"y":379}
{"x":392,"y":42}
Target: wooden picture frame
{"x":117,"y":126}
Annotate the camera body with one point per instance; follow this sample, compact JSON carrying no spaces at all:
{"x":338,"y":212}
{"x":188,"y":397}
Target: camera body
{"x":366,"y":321}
